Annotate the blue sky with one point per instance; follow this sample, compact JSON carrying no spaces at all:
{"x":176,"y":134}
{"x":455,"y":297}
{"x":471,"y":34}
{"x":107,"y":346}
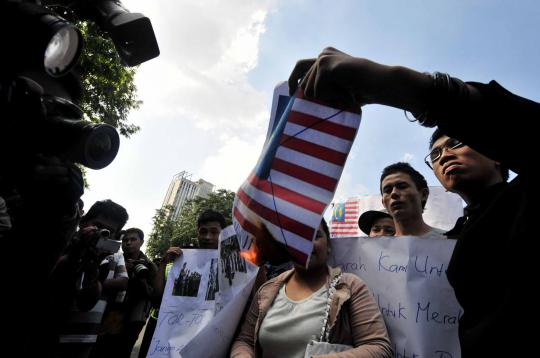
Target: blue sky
{"x":207,"y":97}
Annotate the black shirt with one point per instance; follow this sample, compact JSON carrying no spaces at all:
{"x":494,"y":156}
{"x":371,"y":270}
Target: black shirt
{"x":492,"y":266}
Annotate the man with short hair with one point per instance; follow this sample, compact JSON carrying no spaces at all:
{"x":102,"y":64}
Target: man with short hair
{"x":209,"y":226}
{"x":461,"y":169}
{"x":105,"y":214}
{"x":494,"y":231}
{"x":404,"y":195}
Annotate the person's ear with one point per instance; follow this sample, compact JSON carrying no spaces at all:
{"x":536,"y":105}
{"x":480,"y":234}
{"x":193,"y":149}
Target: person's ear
{"x":425,"y":194}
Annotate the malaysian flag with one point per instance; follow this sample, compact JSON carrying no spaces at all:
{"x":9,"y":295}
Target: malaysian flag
{"x":295,"y":178}
{"x":345,"y":219}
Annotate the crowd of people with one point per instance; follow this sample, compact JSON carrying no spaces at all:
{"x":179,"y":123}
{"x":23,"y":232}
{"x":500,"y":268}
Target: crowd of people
{"x":88,"y":298}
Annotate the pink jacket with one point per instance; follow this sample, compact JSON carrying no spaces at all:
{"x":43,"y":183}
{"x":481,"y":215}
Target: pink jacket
{"x":354,"y":319}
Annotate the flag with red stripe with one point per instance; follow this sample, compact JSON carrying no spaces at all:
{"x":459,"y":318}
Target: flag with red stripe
{"x":297,"y":173}
{"x":345,"y":219}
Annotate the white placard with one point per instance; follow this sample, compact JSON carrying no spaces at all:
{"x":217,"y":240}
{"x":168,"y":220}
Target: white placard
{"x":407,"y":277}
{"x":204,"y":298}
{"x":184,"y":308}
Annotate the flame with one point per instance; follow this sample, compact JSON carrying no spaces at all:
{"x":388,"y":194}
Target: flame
{"x":251,"y":255}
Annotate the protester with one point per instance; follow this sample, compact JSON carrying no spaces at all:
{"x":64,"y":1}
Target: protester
{"x":404,"y":195}
{"x":288,"y":312}
{"x":376,"y":223}
{"x":209,"y":226}
{"x":497,"y":230}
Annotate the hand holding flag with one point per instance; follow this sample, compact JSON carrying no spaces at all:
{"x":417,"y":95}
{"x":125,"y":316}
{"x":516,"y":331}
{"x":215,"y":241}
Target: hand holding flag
{"x":296,"y":176}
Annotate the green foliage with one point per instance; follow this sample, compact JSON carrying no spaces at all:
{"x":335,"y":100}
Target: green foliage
{"x":163,"y":230}
{"x":182,"y":232}
{"x":109,"y":91}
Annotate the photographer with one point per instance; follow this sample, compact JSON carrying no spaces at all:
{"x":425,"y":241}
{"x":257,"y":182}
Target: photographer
{"x":90,"y":271}
{"x":124,"y":320}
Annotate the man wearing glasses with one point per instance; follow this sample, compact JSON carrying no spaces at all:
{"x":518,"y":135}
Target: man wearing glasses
{"x":463,"y":170}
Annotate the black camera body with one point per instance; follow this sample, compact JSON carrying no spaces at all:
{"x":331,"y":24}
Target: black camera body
{"x":39,"y":89}
{"x":33,"y":121}
{"x":141,"y":270}
{"x":90,"y":241}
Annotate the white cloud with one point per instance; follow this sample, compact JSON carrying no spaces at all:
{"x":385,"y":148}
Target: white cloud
{"x":347,"y":187}
{"x":230,"y":167}
{"x":407,"y":157}
{"x":200,"y":112}
{"x":208,"y":49}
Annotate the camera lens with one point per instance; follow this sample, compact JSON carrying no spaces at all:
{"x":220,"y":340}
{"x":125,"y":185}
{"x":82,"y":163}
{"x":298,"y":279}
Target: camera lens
{"x":101,"y":146}
{"x":63,"y":50}
{"x":141,"y":270}
{"x":104,"y":233}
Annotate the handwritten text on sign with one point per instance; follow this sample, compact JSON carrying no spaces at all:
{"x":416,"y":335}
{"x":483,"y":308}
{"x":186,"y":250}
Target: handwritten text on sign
{"x":407,"y":277}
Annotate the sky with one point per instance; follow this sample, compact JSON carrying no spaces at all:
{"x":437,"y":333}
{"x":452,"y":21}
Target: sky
{"x":206,"y":98}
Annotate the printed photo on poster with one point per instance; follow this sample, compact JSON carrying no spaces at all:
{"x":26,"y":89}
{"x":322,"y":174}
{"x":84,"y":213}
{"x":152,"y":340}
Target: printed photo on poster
{"x":213,"y":282}
{"x":187,"y":283}
{"x":231,"y":260}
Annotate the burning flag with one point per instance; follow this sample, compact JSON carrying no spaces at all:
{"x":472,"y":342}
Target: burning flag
{"x":297,"y":174}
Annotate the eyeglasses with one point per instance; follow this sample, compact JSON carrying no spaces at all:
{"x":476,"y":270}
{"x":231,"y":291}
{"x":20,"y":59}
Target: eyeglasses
{"x":436,"y":153}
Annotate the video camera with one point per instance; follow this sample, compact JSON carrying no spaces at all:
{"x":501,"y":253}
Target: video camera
{"x":39,"y":88}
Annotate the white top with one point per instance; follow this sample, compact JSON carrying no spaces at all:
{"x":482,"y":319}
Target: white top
{"x":290,"y":325}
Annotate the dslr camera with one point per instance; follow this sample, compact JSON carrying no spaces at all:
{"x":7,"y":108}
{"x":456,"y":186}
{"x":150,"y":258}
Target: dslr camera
{"x":140,"y":268}
{"x":105,"y":243}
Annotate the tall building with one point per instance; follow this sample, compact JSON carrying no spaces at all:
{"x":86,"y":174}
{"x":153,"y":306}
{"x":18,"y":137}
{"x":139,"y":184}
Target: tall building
{"x":182,"y":189}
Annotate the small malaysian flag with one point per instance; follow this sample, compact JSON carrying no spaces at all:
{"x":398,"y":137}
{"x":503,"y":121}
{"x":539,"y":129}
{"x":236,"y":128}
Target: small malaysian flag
{"x":296,"y":176}
{"x":345,"y":219}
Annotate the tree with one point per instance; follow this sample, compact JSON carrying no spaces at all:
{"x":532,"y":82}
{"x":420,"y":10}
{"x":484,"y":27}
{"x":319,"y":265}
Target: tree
{"x":182,"y":232}
{"x":109,"y":91}
{"x":163,"y":230}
